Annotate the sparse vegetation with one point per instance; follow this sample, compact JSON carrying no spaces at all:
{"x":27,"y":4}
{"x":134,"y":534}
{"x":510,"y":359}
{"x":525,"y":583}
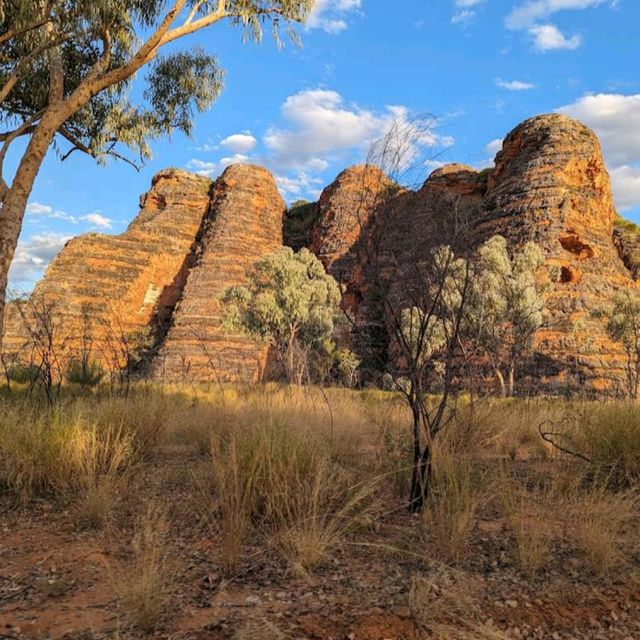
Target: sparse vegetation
{"x":289,"y":487}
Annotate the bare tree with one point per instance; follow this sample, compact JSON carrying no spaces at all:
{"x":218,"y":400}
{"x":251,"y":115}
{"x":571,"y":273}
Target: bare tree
{"x":418,"y":288}
{"x":46,"y":354}
{"x":125,"y":350}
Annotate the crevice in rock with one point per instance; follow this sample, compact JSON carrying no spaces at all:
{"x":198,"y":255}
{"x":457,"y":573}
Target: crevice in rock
{"x":571,"y":242}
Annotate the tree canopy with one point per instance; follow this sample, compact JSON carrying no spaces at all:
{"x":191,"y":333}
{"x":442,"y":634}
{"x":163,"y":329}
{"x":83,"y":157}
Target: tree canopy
{"x":52,"y":49}
{"x":290,"y":302}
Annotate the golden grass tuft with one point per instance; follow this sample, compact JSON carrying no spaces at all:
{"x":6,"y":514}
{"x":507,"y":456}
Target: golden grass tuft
{"x":144,"y":581}
{"x":449,"y":515}
{"x":525,"y":514}
{"x":599,"y":522}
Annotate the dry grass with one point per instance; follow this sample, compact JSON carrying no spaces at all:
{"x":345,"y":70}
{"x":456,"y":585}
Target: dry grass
{"x":295,"y":475}
{"x":144,"y":581}
{"x":102,"y":464}
{"x":259,"y":630}
{"x":313,"y":513}
{"x":599,"y":521}
{"x":445,"y":595}
{"x":228,"y":501}
{"x":285,"y":483}
{"x":62,"y":456}
{"x":526,"y":513}
{"x":444,"y":604}
{"x":449,"y":516}
{"x":610,"y":435}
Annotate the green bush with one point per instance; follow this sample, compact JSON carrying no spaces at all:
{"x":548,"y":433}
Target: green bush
{"x":84,"y":372}
{"x":24,"y":374}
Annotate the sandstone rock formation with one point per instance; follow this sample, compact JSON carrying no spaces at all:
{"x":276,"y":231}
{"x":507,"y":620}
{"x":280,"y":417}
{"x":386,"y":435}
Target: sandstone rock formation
{"x":111,"y":286}
{"x":550,"y":185}
{"x":371,"y":233}
{"x":156,"y":285}
{"x":193,"y":238}
{"x":244,"y":223}
{"x":344,"y":215}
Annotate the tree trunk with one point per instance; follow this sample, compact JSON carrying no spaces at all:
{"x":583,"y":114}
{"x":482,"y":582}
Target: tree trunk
{"x":512,"y":375}
{"x":503,"y":386}
{"x":290,"y":358}
{"x":15,"y":198}
{"x":421,"y":468}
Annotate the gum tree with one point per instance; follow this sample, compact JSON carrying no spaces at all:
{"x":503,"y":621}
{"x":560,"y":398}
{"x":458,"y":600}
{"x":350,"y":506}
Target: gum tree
{"x":623,"y":326}
{"x":290,"y":302}
{"x":66,"y":67}
{"x":506,"y":306}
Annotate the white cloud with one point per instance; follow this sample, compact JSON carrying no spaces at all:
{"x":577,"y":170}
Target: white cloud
{"x":547,"y":37}
{"x":62,"y":215}
{"x":616,"y":120}
{"x":214,"y":169}
{"x":625,"y":182}
{"x":319,"y":126}
{"x":38,"y":209}
{"x":432,"y":165}
{"x":300,"y":184}
{"x":46,"y":211}
{"x":203,"y":168}
{"x":330,"y":15}
{"x":514,"y":85}
{"x":493,"y":147}
{"x":32,"y":257}
{"x":533,"y":16}
{"x":465,"y":10}
{"x":533,"y":11}
{"x":240,"y":142}
{"x":97,"y":221}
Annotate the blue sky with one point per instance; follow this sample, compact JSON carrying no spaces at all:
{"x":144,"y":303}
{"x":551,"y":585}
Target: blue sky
{"x":478,"y":67}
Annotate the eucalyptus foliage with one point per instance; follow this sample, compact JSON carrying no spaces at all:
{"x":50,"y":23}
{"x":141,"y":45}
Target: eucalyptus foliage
{"x":623,"y":325}
{"x":67,"y":69}
{"x":89,"y":39}
{"x":506,"y":305}
{"x":289,"y":302}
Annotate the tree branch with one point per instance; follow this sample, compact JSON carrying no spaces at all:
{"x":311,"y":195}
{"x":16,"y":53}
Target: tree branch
{"x":14,"y":33}
{"x":10,"y":83}
{"x":190,"y":26}
{"x":25,"y":128}
{"x":78,"y":145}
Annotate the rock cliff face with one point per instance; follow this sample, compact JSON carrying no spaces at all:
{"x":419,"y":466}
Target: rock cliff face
{"x":371,"y":234}
{"x":193,"y":238}
{"x":550,"y":185}
{"x":161,"y":278}
{"x":108,"y":286}
{"x":244,"y":223}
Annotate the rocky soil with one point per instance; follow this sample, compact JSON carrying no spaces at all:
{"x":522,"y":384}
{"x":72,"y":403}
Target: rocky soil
{"x":56,"y":581}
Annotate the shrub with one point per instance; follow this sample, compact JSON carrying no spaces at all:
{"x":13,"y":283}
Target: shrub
{"x":84,"y":372}
{"x":24,"y":374}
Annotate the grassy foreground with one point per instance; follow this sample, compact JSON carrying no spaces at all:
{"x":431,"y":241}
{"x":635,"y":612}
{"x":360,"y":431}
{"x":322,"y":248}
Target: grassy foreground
{"x":280,"y":512}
